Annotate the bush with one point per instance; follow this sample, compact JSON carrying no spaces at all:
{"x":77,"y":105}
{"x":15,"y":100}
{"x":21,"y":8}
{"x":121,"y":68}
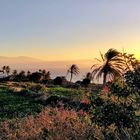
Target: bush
{"x":86,"y":82}
{"x":51,"y":124}
{"x":117,"y":105}
{"x":58,"y":81}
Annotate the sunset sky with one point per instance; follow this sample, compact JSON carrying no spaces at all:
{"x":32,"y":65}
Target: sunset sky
{"x":68,"y":29}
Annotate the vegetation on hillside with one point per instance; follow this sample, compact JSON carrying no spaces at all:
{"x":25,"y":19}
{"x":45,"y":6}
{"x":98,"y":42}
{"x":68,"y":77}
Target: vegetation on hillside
{"x":34,"y":106}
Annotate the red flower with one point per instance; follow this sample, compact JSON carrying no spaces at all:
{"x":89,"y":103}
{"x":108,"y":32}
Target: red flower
{"x":85,"y":101}
{"x":105,"y":90}
{"x":82,"y":113}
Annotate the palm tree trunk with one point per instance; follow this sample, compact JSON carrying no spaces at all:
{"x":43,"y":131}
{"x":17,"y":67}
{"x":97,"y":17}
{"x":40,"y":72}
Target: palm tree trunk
{"x":71,"y":77}
{"x":104,"y":79}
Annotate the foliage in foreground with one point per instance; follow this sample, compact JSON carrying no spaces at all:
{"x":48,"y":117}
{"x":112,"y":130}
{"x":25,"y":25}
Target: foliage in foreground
{"x":113,"y":114}
{"x":51,"y":124}
{"x":118,"y":105}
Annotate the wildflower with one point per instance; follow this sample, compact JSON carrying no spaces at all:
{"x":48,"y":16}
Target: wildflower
{"x":82,"y":113}
{"x":85,"y":101}
{"x":105,"y":90}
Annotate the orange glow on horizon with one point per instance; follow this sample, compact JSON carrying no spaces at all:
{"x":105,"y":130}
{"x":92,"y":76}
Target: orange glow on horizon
{"x":70,"y":50}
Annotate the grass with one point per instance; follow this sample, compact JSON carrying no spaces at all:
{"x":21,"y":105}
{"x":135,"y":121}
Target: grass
{"x":73,"y":94}
{"x":28,"y":114}
{"x":13,"y":106}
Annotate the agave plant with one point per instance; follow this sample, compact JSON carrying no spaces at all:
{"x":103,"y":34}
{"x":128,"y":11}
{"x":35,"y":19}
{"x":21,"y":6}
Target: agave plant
{"x":110,"y":66}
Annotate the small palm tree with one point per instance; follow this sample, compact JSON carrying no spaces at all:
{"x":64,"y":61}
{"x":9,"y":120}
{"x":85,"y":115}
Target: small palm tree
{"x":88,"y":76}
{"x":47,"y":76}
{"x":40,"y":71}
{"x":28,"y":73}
{"x":4,"y":68}
{"x":7,"y":70}
{"x":73,"y":70}
{"x":111,"y":66}
{"x":15,"y":73}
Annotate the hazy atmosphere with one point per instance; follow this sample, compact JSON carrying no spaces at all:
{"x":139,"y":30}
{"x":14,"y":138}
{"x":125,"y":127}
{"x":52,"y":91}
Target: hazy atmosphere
{"x":68,"y":30}
{"x":69,"y":69}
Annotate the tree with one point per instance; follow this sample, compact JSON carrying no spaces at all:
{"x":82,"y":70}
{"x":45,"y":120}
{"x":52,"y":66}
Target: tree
{"x":111,"y":66}
{"x":43,"y":72}
{"x":3,"y":69}
{"x":7,"y":70}
{"x":28,"y":73}
{"x":73,"y":70}
{"x":58,"y":81}
{"x":36,"y":77}
{"x":14,"y":74}
{"x":89,"y":76}
{"x":47,"y":76}
{"x":131,"y":62}
{"x":87,"y":80}
{"x":21,"y":76}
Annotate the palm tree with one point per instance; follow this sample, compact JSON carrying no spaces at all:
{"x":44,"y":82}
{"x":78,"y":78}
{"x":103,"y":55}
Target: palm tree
{"x":40,"y":71}
{"x":73,"y":70}
{"x":111,"y":66}
{"x":7,"y":70}
{"x":47,"y":76}
{"x":4,"y":68}
{"x":14,"y":73}
{"x":88,"y":76}
{"x":28,"y":73}
{"x":43,"y":72}
{"x":21,"y":75}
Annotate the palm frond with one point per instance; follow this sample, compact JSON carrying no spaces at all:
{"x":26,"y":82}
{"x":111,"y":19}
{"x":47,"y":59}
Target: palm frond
{"x":98,"y":60}
{"x":102,"y":56}
{"x":111,"y":53}
{"x":95,"y":65}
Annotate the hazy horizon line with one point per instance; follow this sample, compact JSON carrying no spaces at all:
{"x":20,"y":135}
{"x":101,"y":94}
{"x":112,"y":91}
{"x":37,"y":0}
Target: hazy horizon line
{"x":29,"y":57}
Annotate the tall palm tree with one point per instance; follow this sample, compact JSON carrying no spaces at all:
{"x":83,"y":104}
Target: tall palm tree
{"x":111,"y":66}
{"x":73,"y":70}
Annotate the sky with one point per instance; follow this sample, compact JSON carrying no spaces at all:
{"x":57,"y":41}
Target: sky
{"x":68,"y":29}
